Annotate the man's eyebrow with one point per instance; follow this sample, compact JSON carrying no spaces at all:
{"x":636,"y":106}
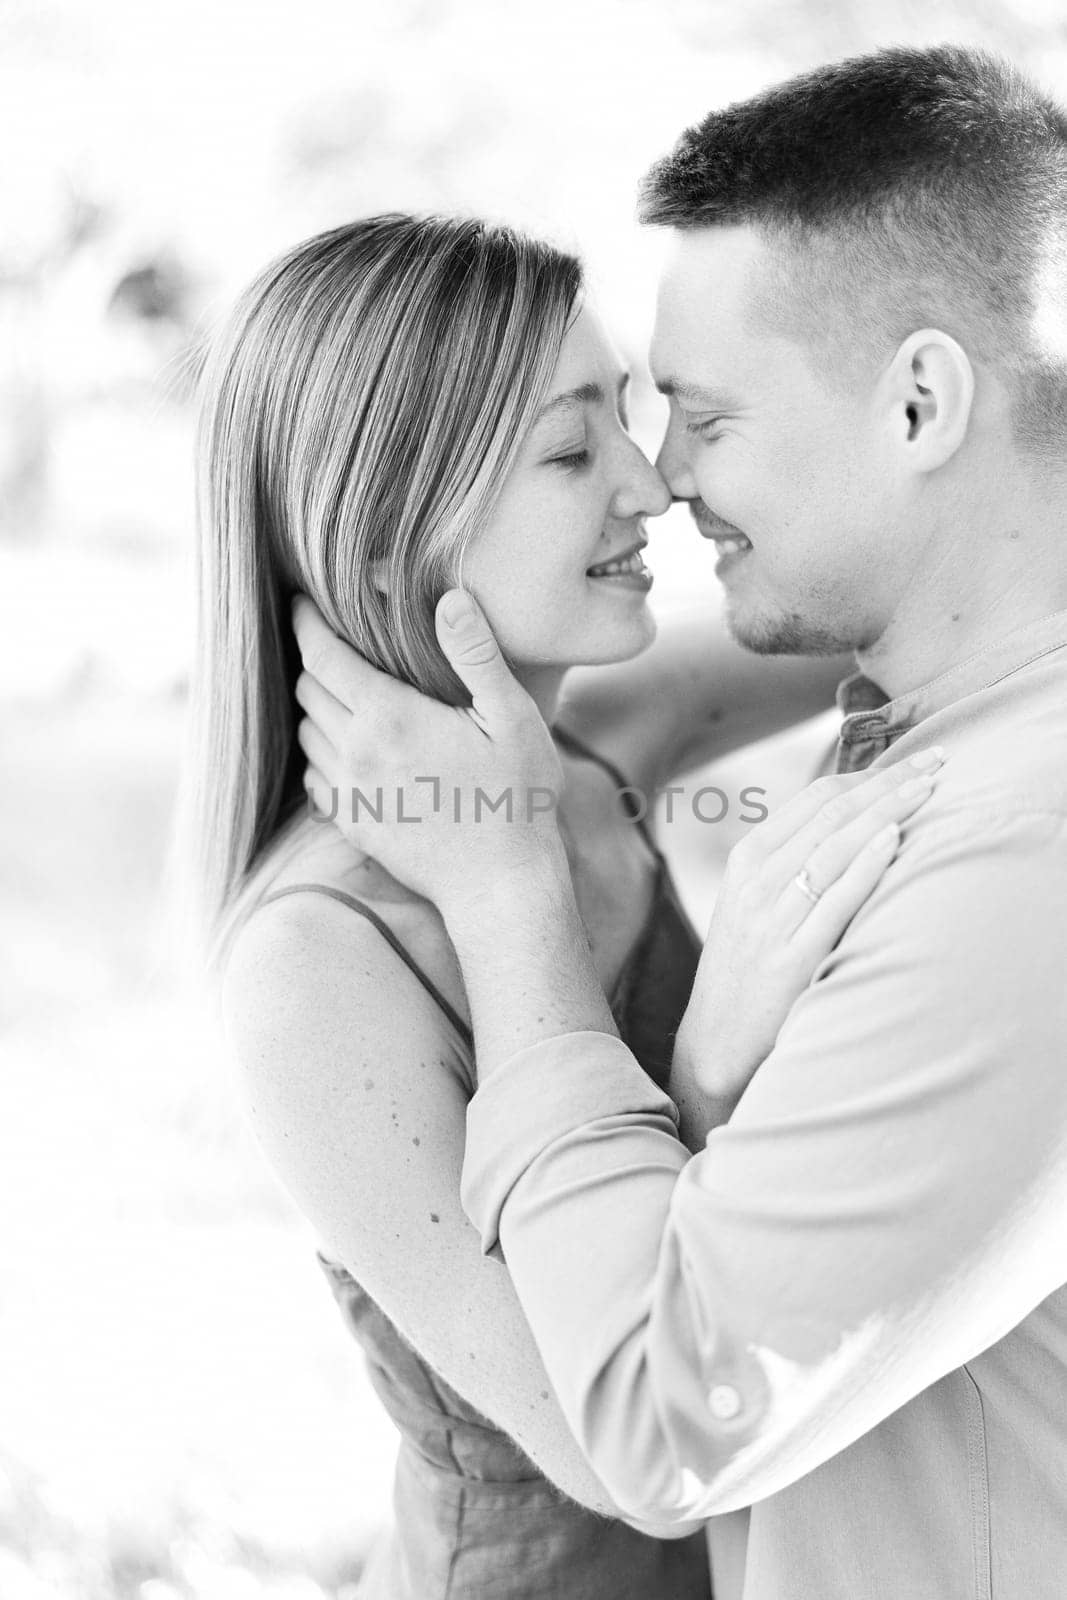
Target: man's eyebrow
{"x":584,"y":394}
{"x":713,"y":399}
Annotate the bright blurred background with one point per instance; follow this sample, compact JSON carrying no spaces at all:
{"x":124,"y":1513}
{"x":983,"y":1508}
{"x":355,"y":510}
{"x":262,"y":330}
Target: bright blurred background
{"x":181,"y":1414}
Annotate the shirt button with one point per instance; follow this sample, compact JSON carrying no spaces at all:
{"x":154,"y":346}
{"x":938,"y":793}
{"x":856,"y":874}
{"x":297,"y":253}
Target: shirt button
{"x":724,"y":1402}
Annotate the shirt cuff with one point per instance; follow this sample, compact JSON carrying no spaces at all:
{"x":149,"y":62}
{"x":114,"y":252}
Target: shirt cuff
{"x":543,"y":1093}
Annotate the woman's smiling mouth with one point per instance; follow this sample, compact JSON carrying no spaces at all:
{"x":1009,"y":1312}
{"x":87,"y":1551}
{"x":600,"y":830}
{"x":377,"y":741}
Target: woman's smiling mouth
{"x":627,"y":570}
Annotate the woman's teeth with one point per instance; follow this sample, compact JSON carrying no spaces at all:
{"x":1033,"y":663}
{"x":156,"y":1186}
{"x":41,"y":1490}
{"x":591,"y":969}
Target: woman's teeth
{"x":607,"y":569}
{"x":731,"y":547}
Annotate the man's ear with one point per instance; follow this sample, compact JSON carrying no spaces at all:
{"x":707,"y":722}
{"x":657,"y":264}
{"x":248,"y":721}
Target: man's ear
{"x":931,"y":391}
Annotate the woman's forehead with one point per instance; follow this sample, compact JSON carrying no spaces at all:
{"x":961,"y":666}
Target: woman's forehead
{"x":587,"y":360}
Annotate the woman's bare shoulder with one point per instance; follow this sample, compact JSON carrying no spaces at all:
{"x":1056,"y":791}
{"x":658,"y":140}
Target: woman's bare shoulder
{"x":352,"y":1079}
{"x":309,"y":851}
{"x":310,"y":876}
{"x":306,"y":970}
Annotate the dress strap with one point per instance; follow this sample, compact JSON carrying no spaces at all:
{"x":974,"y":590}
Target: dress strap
{"x":626,"y":790}
{"x":390,"y":938}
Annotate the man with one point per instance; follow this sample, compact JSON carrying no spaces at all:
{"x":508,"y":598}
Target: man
{"x":840,"y":1330}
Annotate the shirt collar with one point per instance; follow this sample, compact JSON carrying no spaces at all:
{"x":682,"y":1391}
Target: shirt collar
{"x":871,"y":717}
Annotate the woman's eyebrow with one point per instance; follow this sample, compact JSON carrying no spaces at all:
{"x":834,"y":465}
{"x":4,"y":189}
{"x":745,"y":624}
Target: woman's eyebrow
{"x":584,"y":394}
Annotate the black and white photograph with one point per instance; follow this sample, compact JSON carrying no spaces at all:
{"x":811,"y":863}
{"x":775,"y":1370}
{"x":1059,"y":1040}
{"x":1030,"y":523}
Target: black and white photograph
{"x":533,"y":843}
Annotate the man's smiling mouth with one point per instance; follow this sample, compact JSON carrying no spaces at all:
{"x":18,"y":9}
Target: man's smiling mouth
{"x":730,"y":540}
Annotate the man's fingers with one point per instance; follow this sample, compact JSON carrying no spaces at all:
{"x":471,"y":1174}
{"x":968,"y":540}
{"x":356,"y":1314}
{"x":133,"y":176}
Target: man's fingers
{"x":322,"y":652}
{"x":320,"y":753}
{"x":352,"y":683}
{"x":327,"y":713}
{"x":338,"y":668}
{"x":319,"y":793}
{"x":469,"y":643}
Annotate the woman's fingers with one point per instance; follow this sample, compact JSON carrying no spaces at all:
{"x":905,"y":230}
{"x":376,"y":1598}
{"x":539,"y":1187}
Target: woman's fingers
{"x":842,"y":809}
{"x":781,"y":826}
{"x":824,"y":922}
{"x":816,"y":872}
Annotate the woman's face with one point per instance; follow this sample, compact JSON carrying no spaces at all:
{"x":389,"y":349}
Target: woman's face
{"x":557,"y":568}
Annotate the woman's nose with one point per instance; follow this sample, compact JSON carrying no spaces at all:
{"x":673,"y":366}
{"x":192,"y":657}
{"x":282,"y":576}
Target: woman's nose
{"x":644,"y":494}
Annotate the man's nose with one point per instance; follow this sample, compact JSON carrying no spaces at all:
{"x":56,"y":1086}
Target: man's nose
{"x":672,"y":464}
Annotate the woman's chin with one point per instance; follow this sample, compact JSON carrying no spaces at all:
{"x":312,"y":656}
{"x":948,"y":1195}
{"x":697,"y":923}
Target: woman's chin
{"x":602,"y":649}
{"x":595,"y":645}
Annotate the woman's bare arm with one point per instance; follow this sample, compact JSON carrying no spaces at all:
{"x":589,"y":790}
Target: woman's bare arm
{"x":693,"y":696}
{"x":357,"y":1096}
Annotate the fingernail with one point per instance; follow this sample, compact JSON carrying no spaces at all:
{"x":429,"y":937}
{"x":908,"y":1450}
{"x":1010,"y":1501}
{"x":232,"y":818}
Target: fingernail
{"x":927,"y":760}
{"x":455,"y":609}
{"x":887,"y":836}
{"x":916,"y":786}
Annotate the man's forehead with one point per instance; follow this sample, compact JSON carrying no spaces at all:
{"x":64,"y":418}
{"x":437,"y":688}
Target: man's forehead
{"x":695,"y":339}
{"x":705,"y":331}
{"x":723,"y":259}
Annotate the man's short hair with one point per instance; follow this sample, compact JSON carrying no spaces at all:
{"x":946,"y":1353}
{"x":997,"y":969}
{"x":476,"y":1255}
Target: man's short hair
{"x":914,"y":188}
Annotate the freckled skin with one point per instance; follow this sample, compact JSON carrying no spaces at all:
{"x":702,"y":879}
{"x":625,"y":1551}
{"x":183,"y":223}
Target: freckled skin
{"x":595,"y":510}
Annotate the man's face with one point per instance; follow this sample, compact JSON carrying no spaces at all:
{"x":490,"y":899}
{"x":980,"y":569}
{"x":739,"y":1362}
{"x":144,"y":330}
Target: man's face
{"x":788,"y":470}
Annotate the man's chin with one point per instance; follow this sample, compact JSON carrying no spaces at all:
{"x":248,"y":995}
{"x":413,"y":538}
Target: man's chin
{"x":788,"y":634}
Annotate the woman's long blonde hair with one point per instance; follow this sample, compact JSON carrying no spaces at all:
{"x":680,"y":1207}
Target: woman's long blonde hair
{"x":362,"y":408}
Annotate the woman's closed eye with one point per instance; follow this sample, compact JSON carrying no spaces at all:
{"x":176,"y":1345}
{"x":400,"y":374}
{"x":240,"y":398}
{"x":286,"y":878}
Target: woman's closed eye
{"x":572,"y":459}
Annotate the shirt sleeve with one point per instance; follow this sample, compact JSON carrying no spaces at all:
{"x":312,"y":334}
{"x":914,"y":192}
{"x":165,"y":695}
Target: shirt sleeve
{"x":887,"y":1200}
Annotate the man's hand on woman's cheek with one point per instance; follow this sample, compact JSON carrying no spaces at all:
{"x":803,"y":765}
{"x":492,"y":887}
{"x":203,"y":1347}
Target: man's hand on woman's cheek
{"x":446,"y":798}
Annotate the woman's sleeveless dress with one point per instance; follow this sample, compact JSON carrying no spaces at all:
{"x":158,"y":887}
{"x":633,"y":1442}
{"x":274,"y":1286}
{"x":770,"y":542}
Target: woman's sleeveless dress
{"x":474,"y":1519}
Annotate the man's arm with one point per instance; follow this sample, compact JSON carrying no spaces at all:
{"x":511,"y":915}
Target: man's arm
{"x":499,"y":874}
{"x":358,"y":1096}
{"x":885,"y":1203}
{"x":786,"y":1291}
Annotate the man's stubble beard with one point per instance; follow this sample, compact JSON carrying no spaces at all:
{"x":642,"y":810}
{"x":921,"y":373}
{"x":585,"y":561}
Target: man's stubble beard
{"x":788,"y":635}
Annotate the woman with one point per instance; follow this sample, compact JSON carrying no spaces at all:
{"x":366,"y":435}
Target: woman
{"x":395,"y":407}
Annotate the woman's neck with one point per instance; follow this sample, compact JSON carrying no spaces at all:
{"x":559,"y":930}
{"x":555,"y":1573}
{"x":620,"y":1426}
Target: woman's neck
{"x":543,"y":685}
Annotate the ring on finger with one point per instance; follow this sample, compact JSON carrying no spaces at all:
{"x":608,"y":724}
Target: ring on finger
{"x":806,"y":887}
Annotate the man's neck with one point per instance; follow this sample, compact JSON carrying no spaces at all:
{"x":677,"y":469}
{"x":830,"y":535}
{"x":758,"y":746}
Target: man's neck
{"x":978,"y":595}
